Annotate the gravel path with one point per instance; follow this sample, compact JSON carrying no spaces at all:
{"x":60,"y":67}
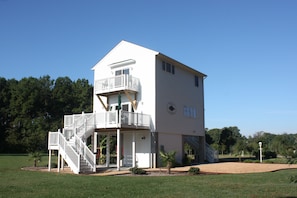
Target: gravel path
{"x":237,"y":167}
{"x":215,"y":168}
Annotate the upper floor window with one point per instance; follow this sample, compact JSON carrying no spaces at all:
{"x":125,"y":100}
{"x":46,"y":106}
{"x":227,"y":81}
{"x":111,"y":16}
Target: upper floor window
{"x":168,"y":67}
{"x":190,"y":112}
{"x":122,"y":72}
{"x":196,"y":81}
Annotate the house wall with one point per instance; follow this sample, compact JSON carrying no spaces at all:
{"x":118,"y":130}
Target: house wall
{"x":171,"y":142}
{"x":144,"y":69}
{"x":159,"y":90}
{"x":179,"y":90}
{"x":142,"y":145}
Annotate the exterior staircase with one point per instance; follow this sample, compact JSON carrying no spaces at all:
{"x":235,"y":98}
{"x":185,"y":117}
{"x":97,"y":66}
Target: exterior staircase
{"x":211,"y":154}
{"x":71,"y":143}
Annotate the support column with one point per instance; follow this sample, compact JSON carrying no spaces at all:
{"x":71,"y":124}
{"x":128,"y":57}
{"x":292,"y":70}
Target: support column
{"x":49,"y":160}
{"x":59,"y":159}
{"x":62,"y":163}
{"x":133,"y":151}
{"x":107,"y":150}
{"x":95,"y":142}
{"x":118,"y":149}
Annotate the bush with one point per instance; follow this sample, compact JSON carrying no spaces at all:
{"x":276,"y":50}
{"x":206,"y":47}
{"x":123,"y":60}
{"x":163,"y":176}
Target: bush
{"x":270,"y":154}
{"x":194,"y":171}
{"x":137,"y":171}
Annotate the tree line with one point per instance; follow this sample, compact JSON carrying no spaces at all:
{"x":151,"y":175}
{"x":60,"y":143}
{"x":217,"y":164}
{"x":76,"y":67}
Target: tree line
{"x":31,"y":107}
{"x":228,"y":140}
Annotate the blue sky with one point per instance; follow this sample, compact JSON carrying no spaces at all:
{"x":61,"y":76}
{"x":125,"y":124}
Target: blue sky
{"x":248,"y":49}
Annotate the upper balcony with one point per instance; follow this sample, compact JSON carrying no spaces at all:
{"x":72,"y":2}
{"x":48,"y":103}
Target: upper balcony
{"x":115,"y":84}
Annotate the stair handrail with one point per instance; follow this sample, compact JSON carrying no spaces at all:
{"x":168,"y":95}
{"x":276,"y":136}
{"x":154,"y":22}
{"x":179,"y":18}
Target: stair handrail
{"x":72,"y":159}
{"x":211,"y":154}
{"x":84,"y":151}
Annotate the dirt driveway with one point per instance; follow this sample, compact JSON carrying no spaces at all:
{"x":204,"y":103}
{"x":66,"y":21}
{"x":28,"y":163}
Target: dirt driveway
{"x":237,"y":167}
{"x":215,"y":168}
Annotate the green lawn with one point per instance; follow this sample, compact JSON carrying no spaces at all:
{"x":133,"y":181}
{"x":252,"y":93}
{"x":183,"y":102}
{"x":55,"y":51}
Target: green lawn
{"x":15,"y":182}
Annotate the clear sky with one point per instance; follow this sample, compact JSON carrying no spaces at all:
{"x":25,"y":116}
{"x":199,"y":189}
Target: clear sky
{"x":248,"y":48}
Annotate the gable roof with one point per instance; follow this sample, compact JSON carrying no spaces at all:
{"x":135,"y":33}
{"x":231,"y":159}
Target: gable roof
{"x":159,"y":54}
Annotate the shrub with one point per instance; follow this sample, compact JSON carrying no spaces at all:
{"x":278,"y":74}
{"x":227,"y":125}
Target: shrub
{"x":270,"y":154}
{"x":194,"y":171}
{"x":137,"y":171}
{"x":169,"y":159}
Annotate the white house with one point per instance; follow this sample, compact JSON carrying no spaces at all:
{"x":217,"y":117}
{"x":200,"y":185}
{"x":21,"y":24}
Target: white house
{"x":161,"y":109}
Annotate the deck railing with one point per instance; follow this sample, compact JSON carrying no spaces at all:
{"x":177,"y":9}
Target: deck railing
{"x":58,"y":141}
{"x":116,"y":83}
{"x":109,"y":119}
{"x":84,"y":151}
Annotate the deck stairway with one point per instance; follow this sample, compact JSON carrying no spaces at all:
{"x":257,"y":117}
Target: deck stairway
{"x":211,"y":154}
{"x":71,"y":143}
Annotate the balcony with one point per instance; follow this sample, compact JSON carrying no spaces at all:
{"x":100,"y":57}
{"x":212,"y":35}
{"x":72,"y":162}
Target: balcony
{"x":115,"y":84}
{"x":109,"y":120}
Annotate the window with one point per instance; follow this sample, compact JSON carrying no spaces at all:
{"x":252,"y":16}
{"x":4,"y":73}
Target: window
{"x":168,"y":67}
{"x":126,"y":71}
{"x":122,"y":71}
{"x":163,"y":65}
{"x":196,"y":81}
{"x":190,"y":112}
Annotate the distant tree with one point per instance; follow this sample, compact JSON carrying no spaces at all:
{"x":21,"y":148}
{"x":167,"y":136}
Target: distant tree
{"x":4,"y":111}
{"x":227,"y":140}
{"x":31,"y":107}
{"x":214,"y":138}
{"x":83,"y":96}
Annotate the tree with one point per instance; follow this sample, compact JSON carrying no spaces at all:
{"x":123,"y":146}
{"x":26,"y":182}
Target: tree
{"x":169,"y":159}
{"x":226,"y":140}
{"x":83,"y":96}
{"x":36,"y":157}
{"x":214,"y":138}
{"x":31,"y":107}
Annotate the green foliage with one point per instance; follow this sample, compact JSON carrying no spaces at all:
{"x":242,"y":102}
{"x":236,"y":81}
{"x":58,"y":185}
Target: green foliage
{"x":36,"y":157}
{"x":293,"y":178}
{"x":168,"y":158}
{"x":137,"y":171}
{"x":229,"y":140}
{"x":194,"y":171}
{"x":31,"y":107}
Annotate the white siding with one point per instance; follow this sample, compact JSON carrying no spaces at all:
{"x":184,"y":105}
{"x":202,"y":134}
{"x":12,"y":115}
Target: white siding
{"x":179,"y":89}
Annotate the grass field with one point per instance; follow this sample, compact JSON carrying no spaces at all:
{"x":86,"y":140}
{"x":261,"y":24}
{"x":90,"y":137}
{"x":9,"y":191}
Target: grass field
{"x":15,"y":182}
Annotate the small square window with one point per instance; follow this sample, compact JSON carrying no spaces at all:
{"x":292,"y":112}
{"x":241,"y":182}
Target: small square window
{"x":196,"y":81}
{"x":168,"y":67}
{"x":118,"y":72}
{"x":126,"y":71}
{"x":163,"y":66}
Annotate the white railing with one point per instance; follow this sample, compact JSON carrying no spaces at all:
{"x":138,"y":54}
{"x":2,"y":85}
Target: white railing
{"x":76,"y":120}
{"x":109,"y":119}
{"x":84,"y":151}
{"x":115,"y":83}
{"x":53,"y":142}
{"x":57,"y":141}
{"x":135,"y":119}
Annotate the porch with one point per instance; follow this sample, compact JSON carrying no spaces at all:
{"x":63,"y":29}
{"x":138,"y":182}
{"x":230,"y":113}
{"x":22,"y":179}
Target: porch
{"x":72,"y":145}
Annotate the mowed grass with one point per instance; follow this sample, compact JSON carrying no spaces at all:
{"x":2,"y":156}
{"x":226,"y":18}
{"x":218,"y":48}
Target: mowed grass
{"x":15,"y":182}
